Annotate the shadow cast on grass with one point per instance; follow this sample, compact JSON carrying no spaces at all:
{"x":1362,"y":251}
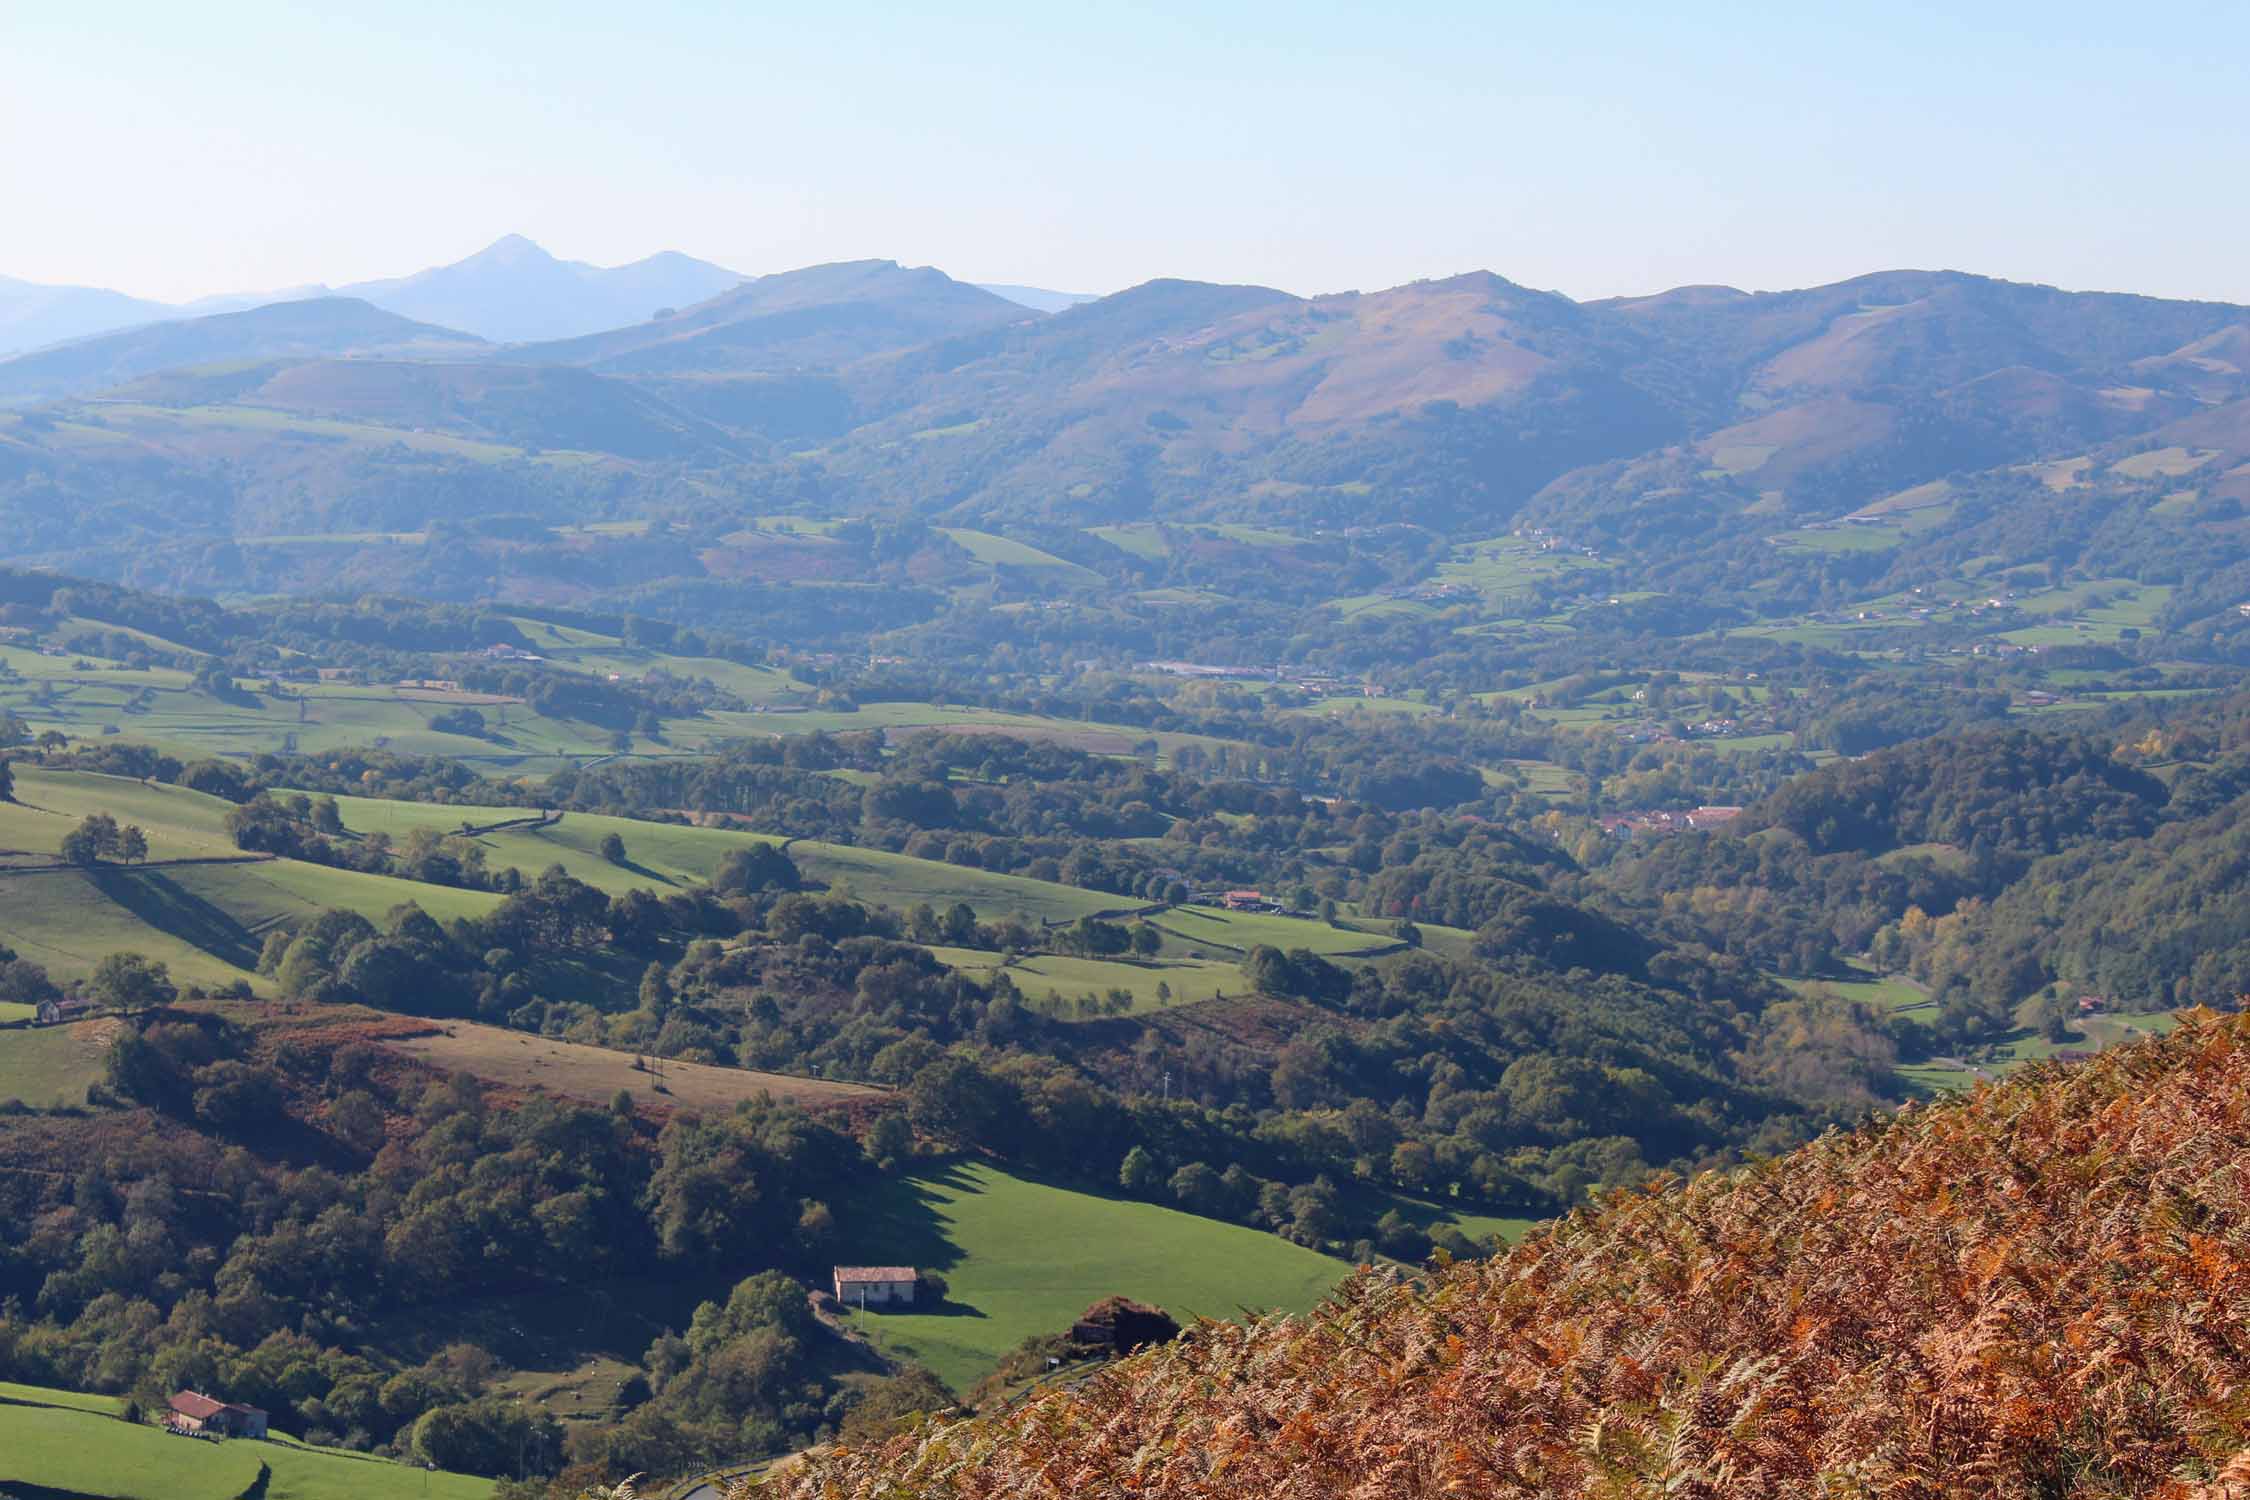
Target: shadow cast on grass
{"x":164,"y":904}
{"x":898,"y":1221}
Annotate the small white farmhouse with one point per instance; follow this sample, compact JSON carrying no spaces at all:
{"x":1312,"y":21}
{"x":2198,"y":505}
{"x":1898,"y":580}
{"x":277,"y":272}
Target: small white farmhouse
{"x":865,"y":1286}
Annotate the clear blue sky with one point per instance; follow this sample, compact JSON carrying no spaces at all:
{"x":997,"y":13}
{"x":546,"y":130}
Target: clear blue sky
{"x":173,"y":150}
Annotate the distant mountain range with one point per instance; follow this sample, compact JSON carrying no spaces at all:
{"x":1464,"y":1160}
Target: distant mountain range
{"x":509,"y":292}
{"x":1924,"y":408}
{"x":512,"y":291}
{"x":312,"y":328}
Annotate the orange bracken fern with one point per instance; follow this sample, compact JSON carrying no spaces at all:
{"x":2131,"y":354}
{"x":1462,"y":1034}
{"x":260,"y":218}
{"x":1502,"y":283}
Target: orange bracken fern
{"x":2042,"y":1290}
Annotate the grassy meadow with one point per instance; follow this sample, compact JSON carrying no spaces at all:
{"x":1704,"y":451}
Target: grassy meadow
{"x":595,"y":1075}
{"x":1233,"y":933}
{"x":63,"y":1445}
{"x":667,"y":855}
{"x":1188,"y":980}
{"x":52,"y":1067}
{"x":1021,"y":1257}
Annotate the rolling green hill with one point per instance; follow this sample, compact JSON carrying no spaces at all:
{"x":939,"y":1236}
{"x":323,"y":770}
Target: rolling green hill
{"x":664,"y":855}
{"x":1022,"y":1258}
{"x":60,"y":1443}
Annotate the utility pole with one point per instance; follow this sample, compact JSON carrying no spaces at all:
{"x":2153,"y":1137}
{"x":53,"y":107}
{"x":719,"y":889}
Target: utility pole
{"x":1167,"y":1085}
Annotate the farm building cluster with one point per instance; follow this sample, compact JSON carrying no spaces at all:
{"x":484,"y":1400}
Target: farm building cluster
{"x":1626,"y":825}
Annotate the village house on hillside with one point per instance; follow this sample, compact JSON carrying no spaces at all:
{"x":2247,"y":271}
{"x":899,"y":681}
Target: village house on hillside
{"x":192,"y":1411}
{"x":55,"y":1012}
{"x":864,"y":1286}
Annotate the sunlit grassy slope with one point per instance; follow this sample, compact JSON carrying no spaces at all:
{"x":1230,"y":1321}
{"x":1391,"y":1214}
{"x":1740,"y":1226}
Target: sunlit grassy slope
{"x":1021,"y":1257}
{"x":72,"y":1446}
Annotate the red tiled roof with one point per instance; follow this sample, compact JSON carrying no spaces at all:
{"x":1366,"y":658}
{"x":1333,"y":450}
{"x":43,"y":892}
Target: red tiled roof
{"x":197,"y":1405}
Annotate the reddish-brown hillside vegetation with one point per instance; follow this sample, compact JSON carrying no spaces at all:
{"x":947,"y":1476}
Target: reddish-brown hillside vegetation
{"x":2042,"y":1290}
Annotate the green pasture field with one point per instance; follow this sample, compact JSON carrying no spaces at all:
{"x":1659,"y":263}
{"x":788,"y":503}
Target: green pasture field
{"x":40,"y":1395}
{"x":1484,"y":1228}
{"x":318,"y":717}
{"x":259,"y":896}
{"x":1252,"y":536}
{"x":1842,"y":539}
{"x":641,"y":527}
{"x":338,"y":539}
{"x":999,"y":551}
{"x":1505,"y":566}
{"x":1190,"y":980}
{"x":180,"y":824}
{"x":545,"y":635}
{"x":50,"y":1066}
{"x":134,"y":416}
{"x":68,"y":920}
{"x":1237,"y":932}
{"x":1140,"y":538}
{"x":1748,"y":744}
{"x":661,"y":855}
{"x":1446,"y":942}
{"x":205,"y":921}
{"x":1022,"y":1257}
{"x":1380,"y":606}
{"x":1892,"y":992}
{"x":37,"y":666}
{"x":599,"y":656}
{"x":901,"y":881}
{"x":2167,"y":463}
{"x":1332,"y":707}
{"x":1944,"y":856}
{"x":11,"y":1012}
{"x":907,"y":718}
{"x":64,"y":629}
{"x":65,"y":1449}
{"x":2090,"y":1034}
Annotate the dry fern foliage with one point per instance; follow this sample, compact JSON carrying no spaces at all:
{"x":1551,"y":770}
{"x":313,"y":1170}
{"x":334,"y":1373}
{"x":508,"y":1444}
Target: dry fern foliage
{"x":2040,"y":1291}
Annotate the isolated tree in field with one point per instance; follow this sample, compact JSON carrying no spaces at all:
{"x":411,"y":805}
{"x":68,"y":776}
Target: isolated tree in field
{"x":760,"y":867}
{"x":133,"y":983}
{"x":7,"y":782}
{"x":96,"y":838}
{"x":613,"y":848}
{"x":132,"y":844}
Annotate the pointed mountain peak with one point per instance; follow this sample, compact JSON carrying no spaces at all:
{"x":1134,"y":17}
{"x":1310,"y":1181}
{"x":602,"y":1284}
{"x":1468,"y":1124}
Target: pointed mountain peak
{"x":509,"y":249}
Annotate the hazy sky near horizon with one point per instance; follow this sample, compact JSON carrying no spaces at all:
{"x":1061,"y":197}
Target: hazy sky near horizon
{"x":174,"y":151}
